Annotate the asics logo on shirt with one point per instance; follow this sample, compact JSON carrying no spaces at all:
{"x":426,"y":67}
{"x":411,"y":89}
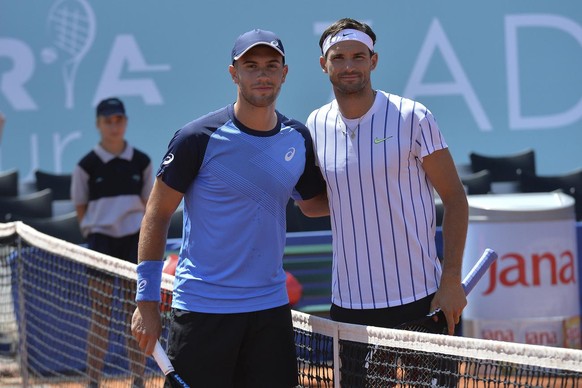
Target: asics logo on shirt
{"x":378,"y":140}
{"x":168,"y":159}
{"x":290,"y":154}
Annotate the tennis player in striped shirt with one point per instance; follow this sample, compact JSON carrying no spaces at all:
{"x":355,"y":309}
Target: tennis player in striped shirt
{"x":383,"y":156}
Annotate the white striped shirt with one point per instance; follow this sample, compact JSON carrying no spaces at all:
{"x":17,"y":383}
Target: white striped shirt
{"x":382,"y":203}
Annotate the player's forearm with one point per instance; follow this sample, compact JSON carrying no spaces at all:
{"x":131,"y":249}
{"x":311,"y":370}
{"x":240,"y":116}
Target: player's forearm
{"x":455,"y":223}
{"x":317,"y":206}
{"x":152,"y":238}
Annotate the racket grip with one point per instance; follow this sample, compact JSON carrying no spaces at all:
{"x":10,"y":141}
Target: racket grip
{"x":162,"y":359}
{"x":478,"y":270}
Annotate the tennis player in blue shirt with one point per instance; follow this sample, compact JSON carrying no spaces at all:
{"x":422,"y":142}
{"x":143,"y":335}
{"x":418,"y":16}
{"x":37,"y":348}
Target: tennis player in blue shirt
{"x":236,"y":169}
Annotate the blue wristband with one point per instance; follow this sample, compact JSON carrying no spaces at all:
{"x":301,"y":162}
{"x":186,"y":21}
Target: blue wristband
{"x":149,"y":281}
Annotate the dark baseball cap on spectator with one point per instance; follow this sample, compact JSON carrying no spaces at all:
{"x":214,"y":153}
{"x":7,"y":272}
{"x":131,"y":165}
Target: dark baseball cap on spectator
{"x":110,"y":107}
{"x":253,"y":38}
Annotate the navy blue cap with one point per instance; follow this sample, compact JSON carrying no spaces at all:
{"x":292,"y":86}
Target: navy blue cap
{"x":110,"y":107}
{"x":254,"y":38}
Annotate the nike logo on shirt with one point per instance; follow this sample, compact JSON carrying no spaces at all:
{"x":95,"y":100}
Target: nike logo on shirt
{"x":378,"y":141}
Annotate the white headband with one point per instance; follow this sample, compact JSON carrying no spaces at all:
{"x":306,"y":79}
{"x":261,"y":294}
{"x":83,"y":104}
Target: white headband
{"x":347,"y":34}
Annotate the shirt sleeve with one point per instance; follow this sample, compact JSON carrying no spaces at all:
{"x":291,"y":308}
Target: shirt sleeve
{"x":184,"y":157}
{"x":430,"y":138}
{"x":311,"y":182}
{"x":79,"y":186}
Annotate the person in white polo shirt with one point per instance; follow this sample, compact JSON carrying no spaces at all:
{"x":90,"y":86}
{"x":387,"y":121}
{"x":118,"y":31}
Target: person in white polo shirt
{"x":383,"y":156}
{"x":110,"y":187}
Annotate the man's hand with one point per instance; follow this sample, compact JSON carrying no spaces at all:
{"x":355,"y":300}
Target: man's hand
{"x":451,"y":299}
{"x":146,"y":325}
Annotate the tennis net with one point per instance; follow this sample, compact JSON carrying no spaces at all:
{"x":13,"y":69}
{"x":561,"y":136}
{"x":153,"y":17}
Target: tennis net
{"x":65,"y":315}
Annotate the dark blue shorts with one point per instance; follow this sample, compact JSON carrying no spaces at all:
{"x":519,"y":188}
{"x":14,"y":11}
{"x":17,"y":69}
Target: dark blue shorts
{"x":255,"y":349}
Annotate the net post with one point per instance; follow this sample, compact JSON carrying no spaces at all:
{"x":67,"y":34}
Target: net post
{"x":336,"y":357}
{"x":22,"y":348}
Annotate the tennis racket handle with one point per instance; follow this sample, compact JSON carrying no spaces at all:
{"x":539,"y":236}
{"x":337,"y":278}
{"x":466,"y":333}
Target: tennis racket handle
{"x":479,"y":269}
{"x":162,"y":359}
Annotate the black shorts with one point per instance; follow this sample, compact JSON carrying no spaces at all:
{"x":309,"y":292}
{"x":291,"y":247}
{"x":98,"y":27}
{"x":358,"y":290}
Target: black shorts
{"x":255,"y":349}
{"x":124,"y":248}
{"x":389,"y":317}
{"x":354,"y":368}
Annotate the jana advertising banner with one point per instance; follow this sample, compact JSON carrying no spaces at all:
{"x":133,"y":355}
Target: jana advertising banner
{"x":531,"y":293}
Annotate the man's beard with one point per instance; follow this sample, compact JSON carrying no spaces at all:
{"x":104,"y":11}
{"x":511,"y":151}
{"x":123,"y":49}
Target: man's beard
{"x":261,"y":101}
{"x":349,"y":88}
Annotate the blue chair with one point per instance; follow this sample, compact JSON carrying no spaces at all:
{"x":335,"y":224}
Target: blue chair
{"x":569,"y":183}
{"x":60,"y":184}
{"x":33,"y":205}
{"x":9,"y":183}
{"x":477,"y":182}
{"x":64,"y":227}
{"x":504,"y":168}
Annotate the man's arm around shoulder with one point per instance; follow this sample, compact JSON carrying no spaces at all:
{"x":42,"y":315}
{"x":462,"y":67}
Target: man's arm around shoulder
{"x":317,"y":206}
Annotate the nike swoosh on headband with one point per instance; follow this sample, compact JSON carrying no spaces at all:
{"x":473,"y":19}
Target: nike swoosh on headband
{"x":347,"y":34}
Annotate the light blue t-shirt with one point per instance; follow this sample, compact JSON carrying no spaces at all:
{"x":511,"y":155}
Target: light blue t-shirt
{"x":236,"y":183}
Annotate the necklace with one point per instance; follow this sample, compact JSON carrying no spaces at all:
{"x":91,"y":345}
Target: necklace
{"x":350,"y":126}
